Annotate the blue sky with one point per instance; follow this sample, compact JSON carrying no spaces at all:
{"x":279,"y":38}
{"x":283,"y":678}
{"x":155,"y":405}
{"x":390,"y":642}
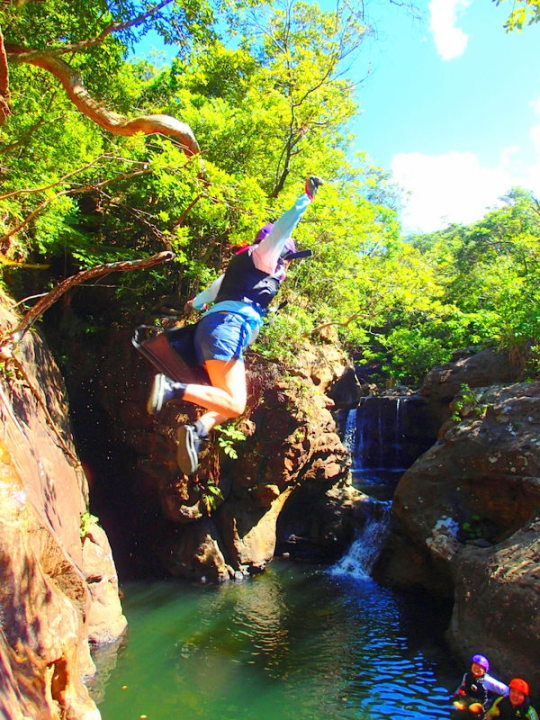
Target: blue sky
{"x":450,"y":107}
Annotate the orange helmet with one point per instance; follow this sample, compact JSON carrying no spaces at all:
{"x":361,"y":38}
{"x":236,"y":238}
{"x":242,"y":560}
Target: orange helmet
{"x":519,"y":685}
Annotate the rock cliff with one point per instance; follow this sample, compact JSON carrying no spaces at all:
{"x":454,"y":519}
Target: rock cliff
{"x":466,"y":520}
{"x":225,"y":520}
{"x":59,"y":589}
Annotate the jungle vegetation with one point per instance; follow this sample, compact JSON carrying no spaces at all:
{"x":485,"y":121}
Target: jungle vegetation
{"x":105,"y":158}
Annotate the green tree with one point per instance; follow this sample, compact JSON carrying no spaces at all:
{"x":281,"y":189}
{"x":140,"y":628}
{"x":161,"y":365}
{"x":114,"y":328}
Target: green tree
{"x":103,"y":197}
{"x":490,"y":272}
{"x":524,"y":12}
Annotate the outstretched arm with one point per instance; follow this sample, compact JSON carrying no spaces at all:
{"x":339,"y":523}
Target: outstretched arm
{"x":266,"y":254}
{"x":495,"y":686}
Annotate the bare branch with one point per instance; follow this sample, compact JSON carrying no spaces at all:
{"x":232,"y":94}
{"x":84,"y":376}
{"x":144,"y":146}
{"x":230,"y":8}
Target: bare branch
{"x":99,"y":271}
{"x":69,"y":191}
{"x":4,"y":82}
{"x":338,"y":323}
{"x":20,"y":264}
{"x":113,"y":122}
{"x":64,"y":177}
{"x":142,"y":218}
{"x":185,"y":213}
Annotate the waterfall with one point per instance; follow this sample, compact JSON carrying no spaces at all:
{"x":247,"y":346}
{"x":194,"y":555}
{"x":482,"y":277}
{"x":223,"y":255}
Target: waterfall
{"x":385,"y":435}
{"x":359,"y":560}
{"x":349,"y":436}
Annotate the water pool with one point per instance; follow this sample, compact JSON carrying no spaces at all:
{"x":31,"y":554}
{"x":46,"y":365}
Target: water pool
{"x":296,"y":643}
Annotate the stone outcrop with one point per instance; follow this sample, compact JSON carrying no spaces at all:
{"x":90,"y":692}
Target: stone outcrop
{"x":475,"y":369}
{"x":466,"y":525}
{"x":497,"y":604}
{"x":222,"y":521}
{"x":49,"y":593}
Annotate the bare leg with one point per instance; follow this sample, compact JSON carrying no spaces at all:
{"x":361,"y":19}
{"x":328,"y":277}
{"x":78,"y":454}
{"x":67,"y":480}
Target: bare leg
{"x":226,"y":397}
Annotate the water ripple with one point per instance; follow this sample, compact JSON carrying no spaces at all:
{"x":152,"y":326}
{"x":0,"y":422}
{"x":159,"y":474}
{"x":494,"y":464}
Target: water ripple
{"x":295,"y":644}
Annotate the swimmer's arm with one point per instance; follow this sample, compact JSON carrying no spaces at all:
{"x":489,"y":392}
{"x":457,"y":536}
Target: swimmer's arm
{"x":495,"y":686}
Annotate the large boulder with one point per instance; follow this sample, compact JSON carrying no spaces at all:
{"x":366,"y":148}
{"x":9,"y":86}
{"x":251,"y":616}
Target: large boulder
{"x":497,"y":605}
{"x":475,"y":369}
{"x":464,"y":520}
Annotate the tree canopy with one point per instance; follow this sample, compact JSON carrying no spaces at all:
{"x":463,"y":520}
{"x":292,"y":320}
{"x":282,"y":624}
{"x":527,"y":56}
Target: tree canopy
{"x":106,"y":159}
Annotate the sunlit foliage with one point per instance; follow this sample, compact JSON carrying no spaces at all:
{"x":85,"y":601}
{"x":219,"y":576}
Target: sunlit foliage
{"x":266,"y":91}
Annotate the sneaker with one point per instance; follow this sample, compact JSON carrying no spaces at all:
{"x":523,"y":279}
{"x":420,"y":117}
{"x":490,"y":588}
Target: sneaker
{"x":313,"y":183}
{"x":162,"y":391}
{"x":187,"y":454}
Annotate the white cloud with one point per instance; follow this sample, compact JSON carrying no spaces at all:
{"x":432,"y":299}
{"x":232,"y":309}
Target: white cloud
{"x":534,"y":133}
{"x":442,"y":189}
{"x":455,"y":188}
{"x":450,"y":40}
{"x":535,"y":104}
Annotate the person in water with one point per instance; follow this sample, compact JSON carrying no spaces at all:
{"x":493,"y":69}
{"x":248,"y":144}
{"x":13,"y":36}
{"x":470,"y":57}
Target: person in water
{"x":472,"y":694}
{"x":516,"y":705}
{"x":477,"y":688}
{"x":241,"y":297}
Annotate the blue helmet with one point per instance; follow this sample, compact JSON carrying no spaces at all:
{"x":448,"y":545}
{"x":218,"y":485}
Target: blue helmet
{"x":481,"y":660}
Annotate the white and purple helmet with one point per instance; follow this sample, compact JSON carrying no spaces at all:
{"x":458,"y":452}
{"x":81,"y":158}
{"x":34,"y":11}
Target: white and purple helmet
{"x":481,"y":660}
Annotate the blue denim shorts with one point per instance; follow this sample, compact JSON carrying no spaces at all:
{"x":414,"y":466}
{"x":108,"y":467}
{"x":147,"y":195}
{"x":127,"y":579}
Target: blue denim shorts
{"x":221,"y":336}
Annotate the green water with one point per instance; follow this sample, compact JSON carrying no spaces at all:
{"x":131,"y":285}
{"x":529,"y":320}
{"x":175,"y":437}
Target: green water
{"x":295,"y":643}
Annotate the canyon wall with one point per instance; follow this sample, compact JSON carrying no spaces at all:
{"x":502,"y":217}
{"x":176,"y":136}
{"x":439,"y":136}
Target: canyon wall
{"x":59,"y":590}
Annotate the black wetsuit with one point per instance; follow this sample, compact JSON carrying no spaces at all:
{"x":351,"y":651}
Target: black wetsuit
{"x":473,"y":688}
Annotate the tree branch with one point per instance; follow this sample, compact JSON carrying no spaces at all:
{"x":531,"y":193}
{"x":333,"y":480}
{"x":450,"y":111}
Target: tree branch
{"x":338,"y":323}
{"x":115,"y":123}
{"x":183,"y":216}
{"x":113,"y":27}
{"x":4,"y":82}
{"x":69,"y":191}
{"x":14,"y":193}
{"x":51,"y":297}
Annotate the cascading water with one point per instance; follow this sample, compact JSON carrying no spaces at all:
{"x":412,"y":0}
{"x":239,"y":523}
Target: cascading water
{"x":385,"y":435}
{"x":361,"y":556}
